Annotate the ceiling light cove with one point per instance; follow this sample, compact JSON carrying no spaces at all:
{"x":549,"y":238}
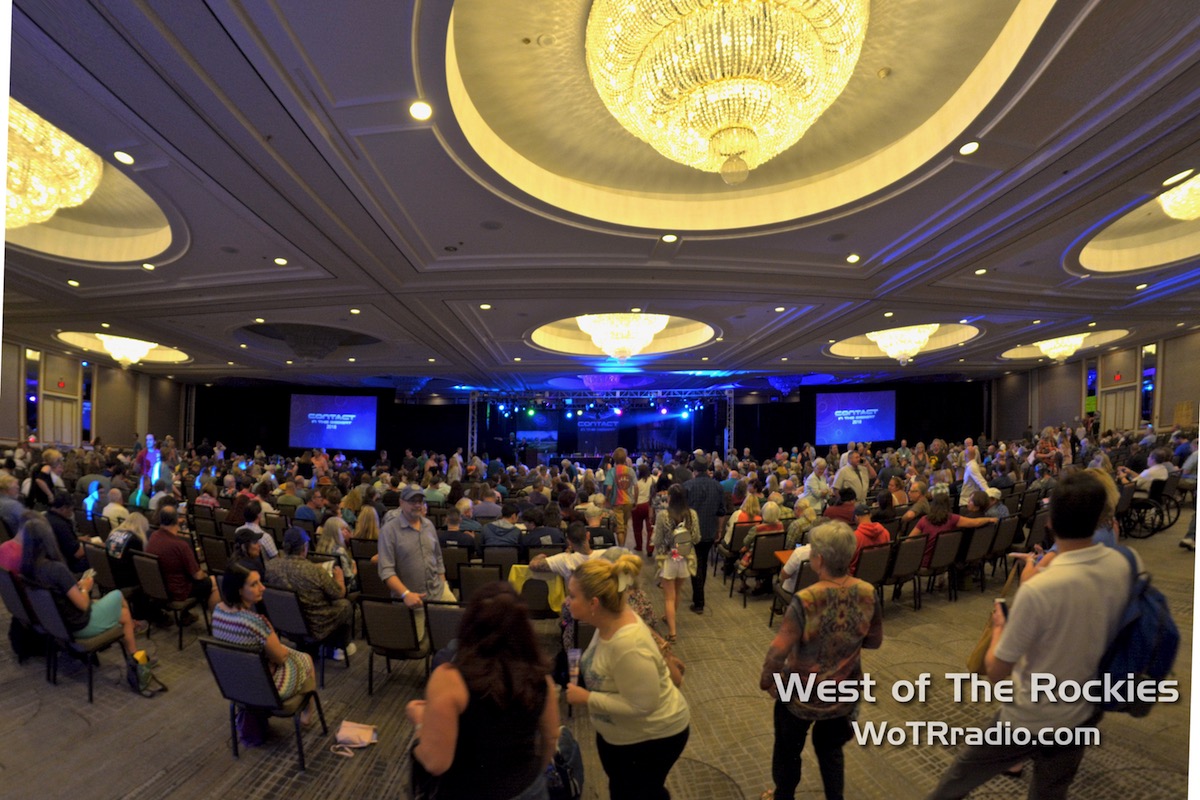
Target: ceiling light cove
{"x":124,"y":350}
{"x":47,"y":169}
{"x":621,"y":336}
{"x":1060,"y":348}
{"x":903,"y":344}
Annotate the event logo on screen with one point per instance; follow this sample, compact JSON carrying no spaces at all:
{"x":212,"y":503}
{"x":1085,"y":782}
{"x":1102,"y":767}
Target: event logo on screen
{"x":335,"y":422}
{"x":856,"y":417}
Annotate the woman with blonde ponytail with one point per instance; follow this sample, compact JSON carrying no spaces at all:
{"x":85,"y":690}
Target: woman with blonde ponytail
{"x":640,"y":717}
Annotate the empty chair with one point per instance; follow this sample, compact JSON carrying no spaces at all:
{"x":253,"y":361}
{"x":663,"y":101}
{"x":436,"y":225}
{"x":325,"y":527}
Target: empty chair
{"x":244,"y":678}
{"x":977,"y":548}
{"x":504,"y":556}
{"x":216,"y":553}
{"x":17,"y":604}
{"x":872,"y":567}
{"x":1006,"y":530}
{"x":442,"y":621}
{"x":1013,"y":503}
{"x":910,"y":551}
{"x":763,"y":563}
{"x":1037,"y":531}
{"x":206,"y":527}
{"x":364,"y":548}
{"x":474,"y":576}
{"x":98,"y":559}
{"x":369,"y":582}
{"x":228,"y":530}
{"x":391,"y":632}
{"x":452,"y":559}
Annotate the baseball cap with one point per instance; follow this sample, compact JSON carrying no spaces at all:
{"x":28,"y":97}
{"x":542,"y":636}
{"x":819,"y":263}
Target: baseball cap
{"x":862,"y":510}
{"x":295,"y":538}
{"x":993,"y":493}
{"x":246,"y":536}
{"x":411,"y":493}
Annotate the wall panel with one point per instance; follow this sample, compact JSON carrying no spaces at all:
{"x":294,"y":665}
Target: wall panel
{"x":1179,"y":379}
{"x":114,"y":405}
{"x":1011,"y":407}
{"x":1060,"y":392}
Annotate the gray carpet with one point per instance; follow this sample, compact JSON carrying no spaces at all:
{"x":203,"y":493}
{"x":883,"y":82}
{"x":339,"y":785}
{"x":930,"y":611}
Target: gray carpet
{"x":177,"y":745}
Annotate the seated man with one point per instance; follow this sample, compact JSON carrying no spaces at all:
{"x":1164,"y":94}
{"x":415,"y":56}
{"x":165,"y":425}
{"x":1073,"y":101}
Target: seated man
{"x":1156,"y":470}
{"x":598,"y":532}
{"x":252,"y":518}
{"x":538,"y":532}
{"x":61,"y":517}
{"x":843,"y":510}
{"x":504,"y":530}
{"x":322,"y":593}
{"x":466,"y":511}
{"x":579,"y":550}
{"x":454,"y":535}
{"x":115,"y":512}
{"x":181,"y":572}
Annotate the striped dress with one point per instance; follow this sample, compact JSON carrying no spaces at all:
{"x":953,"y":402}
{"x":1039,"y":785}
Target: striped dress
{"x":249,"y":629}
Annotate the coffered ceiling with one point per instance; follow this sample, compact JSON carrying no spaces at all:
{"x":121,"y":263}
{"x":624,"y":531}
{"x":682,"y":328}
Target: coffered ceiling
{"x":267,"y":131}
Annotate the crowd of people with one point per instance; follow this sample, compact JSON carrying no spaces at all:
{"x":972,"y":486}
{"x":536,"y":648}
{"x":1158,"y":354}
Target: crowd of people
{"x":671,"y":508}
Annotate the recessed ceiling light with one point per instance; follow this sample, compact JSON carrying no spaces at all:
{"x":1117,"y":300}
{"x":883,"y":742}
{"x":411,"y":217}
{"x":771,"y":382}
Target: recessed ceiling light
{"x":704,"y":358}
{"x":434,"y":394}
{"x":242,"y":345}
{"x":125,"y":158}
{"x":670,"y":238}
{"x":1091,"y":324}
{"x":779,"y":309}
{"x":754,"y":393}
{"x":518,"y":358}
{"x":889,"y":314}
{"x":981,"y":271}
{"x":355,"y":311}
{"x":420,"y":110}
{"x":230,"y":363}
{"x":719,"y":339}
{"x":1180,"y":324}
{"x":783,"y":359}
{"x":961,"y":360}
{"x":968,"y":148}
{"x":73,"y":283}
{"x":289,"y":361}
{"x":170,"y":377}
{"x":853,"y":258}
{"x":352,"y":359}
{"x":856,"y":358}
{"x":431,"y":360}
{"x":1177,"y":177}
{"x":635,"y":310}
{"x":1084,"y":277}
{"x":960,"y":344}
{"x":148,"y":267}
{"x":962,"y":321}
{"x":105,"y":325}
{"x":485,"y":306}
{"x":281,"y":261}
{"x":833,"y":341}
{"x":1037,"y":322}
{"x":1141,"y":286}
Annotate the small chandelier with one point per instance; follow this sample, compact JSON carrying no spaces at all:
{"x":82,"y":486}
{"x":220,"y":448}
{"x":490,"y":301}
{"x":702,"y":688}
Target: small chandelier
{"x":903,"y":343}
{"x":125,"y":351}
{"x":47,"y":169}
{"x":1062,"y":348}
{"x":1182,"y":202}
{"x":622,"y":335}
{"x":722,"y":85}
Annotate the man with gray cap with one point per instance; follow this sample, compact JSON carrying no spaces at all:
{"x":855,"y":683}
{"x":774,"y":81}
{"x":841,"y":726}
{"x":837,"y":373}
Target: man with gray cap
{"x":322,"y":594}
{"x":410,"y":558}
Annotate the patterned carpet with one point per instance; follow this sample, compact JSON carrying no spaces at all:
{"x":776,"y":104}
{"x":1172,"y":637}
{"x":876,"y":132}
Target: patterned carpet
{"x":177,"y":745}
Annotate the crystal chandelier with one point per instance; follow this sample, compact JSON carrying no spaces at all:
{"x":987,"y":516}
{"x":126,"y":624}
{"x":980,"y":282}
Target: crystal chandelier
{"x":1062,"y":348}
{"x":622,"y":335}
{"x":722,"y":85}
{"x":47,"y":169}
{"x":125,"y":351}
{"x":903,"y":343}
{"x":1182,"y":202}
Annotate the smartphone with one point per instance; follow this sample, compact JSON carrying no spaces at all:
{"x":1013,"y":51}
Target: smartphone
{"x":88,"y":573}
{"x":1000,"y":601}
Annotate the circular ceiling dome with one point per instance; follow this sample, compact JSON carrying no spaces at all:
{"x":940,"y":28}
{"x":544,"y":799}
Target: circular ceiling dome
{"x":1142,"y":238}
{"x":518,"y":84}
{"x":1091,"y":339}
{"x":118,"y":226}
{"x":947,"y":335}
{"x":565,"y":336}
{"x":92,"y":343}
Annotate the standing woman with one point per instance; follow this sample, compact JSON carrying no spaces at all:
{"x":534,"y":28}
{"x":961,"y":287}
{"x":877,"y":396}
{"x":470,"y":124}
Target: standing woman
{"x":816,"y":486}
{"x":640,"y":717}
{"x":675,"y":535}
{"x":489,"y":722}
{"x":641,"y":511}
{"x":822,"y":635}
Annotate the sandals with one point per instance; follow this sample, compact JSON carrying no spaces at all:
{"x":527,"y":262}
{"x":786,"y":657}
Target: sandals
{"x":671,"y":638}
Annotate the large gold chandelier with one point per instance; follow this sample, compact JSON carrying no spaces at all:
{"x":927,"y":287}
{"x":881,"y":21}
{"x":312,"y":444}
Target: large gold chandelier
{"x":622,"y":335}
{"x":1182,"y":202}
{"x":722,"y":85}
{"x":47,"y":169}
{"x":126,"y":351}
{"x":1061,"y":348}
{"x":903,"y":343}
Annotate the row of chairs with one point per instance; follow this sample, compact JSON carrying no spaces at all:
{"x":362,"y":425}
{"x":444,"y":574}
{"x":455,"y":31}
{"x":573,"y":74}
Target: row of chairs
{"x":956,"y":553}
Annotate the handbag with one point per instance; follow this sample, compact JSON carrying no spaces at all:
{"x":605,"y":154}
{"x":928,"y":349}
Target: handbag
{"x":975,"y":661}
{"x":351,"y":736}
